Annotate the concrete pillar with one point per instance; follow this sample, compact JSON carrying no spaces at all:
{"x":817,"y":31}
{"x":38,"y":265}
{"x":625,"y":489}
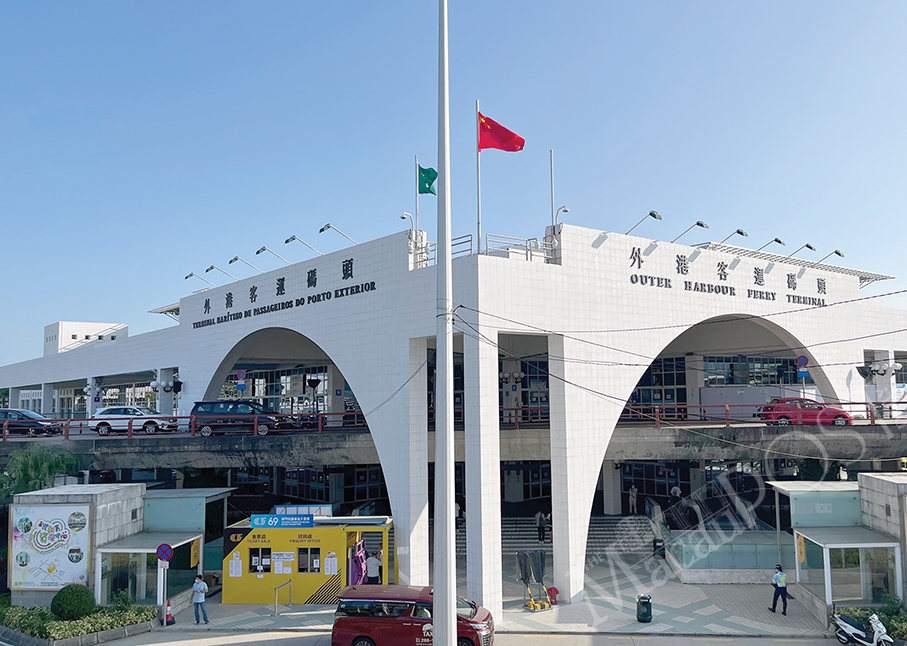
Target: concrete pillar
{"x":695,"y":377}
{"x":484,"y":579}
{"x":884,"y":383}
{"x":48,"y":407}
{"x":164,"y":401}
{"x":333,"y":401}
{"x":581,"y":426}
{"x":611,"y":488}
{"x":14,"y":397}
{"x":410,"y":464}
{"x":93,"y":398}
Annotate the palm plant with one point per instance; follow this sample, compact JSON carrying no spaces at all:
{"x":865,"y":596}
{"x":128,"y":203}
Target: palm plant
{"x":35,"y":467}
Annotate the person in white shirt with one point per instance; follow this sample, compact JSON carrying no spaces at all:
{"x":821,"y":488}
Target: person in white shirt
{"x":373,"y":568}
{"x":199,"y":589}
{"x":633,"y":493}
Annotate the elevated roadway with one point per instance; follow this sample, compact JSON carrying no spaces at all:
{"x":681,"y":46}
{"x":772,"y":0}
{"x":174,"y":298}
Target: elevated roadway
{"x":337,"y":447}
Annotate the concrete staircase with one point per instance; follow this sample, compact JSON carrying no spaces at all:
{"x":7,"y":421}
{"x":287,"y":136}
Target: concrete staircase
{"x":629,"y":536}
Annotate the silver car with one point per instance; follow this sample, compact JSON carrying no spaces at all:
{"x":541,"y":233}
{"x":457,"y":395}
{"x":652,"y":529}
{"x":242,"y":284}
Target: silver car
{"x":117,"y":418}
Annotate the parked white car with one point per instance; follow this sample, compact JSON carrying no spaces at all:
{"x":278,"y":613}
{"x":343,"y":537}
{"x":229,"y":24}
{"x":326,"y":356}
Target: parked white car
{"x":116,"y":418}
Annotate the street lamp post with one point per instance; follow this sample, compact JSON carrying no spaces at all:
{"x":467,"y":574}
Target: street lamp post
{"x":263,"y":249}
{"x":193,"y":274}
{"x":237,"y":258}
{"x":331,"y":226}
{"x":806,"y":246}
{"x":777,"y":240}
{"x":221,"y":271}
{"x":698,"y":223}
{"x":650,"y":214}
{"x":292,"y":238}
{"x":738,"y":232}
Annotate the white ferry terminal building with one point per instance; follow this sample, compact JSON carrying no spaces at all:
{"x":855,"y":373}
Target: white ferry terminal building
{"x":579,"y":323}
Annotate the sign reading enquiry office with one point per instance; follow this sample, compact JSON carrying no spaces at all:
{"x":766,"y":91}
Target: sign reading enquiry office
{"x":48,"y":546}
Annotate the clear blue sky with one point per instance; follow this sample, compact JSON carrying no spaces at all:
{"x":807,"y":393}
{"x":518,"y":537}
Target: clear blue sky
{"x":142,"y":141}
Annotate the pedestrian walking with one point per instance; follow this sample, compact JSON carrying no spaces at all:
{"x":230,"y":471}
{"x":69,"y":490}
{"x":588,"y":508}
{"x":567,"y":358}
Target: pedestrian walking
{"x":779,"y":582}
{"x":540,"y":521}
{"x":199,"y":590}
{"x":633,"y":493}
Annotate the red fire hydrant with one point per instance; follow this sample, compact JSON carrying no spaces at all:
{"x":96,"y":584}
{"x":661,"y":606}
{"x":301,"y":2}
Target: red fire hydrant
{"x":552,"y":594}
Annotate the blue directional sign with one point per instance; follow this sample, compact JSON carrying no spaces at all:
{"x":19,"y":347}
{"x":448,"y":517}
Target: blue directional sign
{"x":802,"y":374}
{"x":283,"y":520}
{"x":240,"y":386}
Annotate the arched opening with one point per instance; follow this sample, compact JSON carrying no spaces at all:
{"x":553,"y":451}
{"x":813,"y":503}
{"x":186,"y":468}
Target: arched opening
{"x":291,"y":375}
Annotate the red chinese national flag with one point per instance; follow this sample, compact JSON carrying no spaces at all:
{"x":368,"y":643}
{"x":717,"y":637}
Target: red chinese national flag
{"x":494,"y":135}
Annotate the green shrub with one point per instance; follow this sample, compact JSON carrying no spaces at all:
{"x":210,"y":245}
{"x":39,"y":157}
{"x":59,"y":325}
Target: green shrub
{"x":104,"y":619}
{"x":121,"y":601}
{"x":73,"y":602}
{"x":31,"y":621}
{"x":41,"y":622}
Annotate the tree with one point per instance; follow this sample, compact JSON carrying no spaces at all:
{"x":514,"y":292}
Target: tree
{"x":35,"y":467}
{"x":812,"y":469}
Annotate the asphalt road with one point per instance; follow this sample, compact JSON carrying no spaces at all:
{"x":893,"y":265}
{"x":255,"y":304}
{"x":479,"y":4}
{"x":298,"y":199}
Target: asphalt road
{"x":214,"y":638}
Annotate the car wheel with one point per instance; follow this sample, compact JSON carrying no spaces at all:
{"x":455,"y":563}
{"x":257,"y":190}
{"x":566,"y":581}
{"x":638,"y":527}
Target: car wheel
{"x":150,"y":427}
{"x":783,"y":421}
{"x":33,"y":432}
{"x":263,"y":429}
{"x":206,"y":431}
{"x":840,"y":420}
{"x":463,"y":641}
{"x":103,"y":429}
{"x":363,"y":641}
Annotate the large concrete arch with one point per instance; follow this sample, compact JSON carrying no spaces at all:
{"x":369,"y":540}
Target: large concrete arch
{"x":587,"y":398}
{"x":382,"y":414}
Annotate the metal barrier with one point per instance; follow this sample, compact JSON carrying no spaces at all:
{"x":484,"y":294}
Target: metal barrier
{"x":530,"y":248}
{"x":288,"y":583}
{"x":516,"y":418}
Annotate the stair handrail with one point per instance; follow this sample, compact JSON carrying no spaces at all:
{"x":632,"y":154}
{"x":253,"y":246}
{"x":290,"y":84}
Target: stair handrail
{"x":288,"y":583}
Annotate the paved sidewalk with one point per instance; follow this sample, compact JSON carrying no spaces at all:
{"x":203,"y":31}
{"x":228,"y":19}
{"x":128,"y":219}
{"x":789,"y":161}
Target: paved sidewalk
{"x":609,"y":607}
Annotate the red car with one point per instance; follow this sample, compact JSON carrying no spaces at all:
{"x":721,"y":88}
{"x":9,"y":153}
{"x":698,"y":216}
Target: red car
{"x":401,"y":615}
{"x":797,"y":410}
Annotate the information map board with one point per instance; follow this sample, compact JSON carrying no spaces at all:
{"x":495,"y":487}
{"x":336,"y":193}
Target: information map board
{"x":49,"y":546}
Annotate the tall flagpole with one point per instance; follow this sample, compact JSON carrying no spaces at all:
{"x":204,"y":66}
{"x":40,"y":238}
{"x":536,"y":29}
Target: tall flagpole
{"x":417,"y":197}
{"x":478,"y":183}
{"x":551,"y":153}
{"x":445,"y":579}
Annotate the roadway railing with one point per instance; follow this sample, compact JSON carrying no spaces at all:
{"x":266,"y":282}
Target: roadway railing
{"x":528,"y":417}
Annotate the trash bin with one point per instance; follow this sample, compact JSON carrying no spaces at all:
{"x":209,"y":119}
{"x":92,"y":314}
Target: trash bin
{"x":643,"y":608}
{"x":552,"y":594}
{"x":658,"y":548}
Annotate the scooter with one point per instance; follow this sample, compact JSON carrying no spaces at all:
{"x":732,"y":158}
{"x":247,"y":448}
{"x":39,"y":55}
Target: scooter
{"x":850,"y":631}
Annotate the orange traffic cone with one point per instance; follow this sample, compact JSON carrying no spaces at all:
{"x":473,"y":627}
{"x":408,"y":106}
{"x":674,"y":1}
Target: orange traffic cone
{"x":169,"y":621}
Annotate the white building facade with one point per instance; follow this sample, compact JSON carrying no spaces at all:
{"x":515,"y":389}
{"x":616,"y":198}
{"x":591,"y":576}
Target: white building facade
{"x":600,"y":307}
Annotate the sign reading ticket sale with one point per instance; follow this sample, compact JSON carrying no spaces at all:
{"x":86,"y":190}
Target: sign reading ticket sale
{"x":49,"y":546}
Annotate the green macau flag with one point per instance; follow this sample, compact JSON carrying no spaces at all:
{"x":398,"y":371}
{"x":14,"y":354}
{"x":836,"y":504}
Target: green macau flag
{"x":427,"y":177}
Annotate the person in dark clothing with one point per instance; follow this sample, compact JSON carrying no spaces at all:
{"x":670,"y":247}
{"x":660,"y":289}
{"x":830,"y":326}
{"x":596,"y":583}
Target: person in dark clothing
{"x":779,"y":582}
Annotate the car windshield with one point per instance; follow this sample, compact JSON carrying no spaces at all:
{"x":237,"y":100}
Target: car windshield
{"x":465,"y":609}
{"x":147,"y":411}
{"x":32,"y":415}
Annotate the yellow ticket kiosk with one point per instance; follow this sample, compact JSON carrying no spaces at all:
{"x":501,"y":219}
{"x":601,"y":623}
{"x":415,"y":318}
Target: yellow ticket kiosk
{"x":318,"y":560}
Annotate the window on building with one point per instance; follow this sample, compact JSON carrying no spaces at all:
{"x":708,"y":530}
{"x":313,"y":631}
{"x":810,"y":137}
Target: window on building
{"x":74,"y":337}
{"x":259,"y":559}
{"x":309,"y":560}
{"x":113,"y":337}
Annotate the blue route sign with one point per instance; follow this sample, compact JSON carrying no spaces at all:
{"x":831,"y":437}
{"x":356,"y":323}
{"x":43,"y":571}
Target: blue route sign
{"x":283,"y":520}
{"x":802,"y":374}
